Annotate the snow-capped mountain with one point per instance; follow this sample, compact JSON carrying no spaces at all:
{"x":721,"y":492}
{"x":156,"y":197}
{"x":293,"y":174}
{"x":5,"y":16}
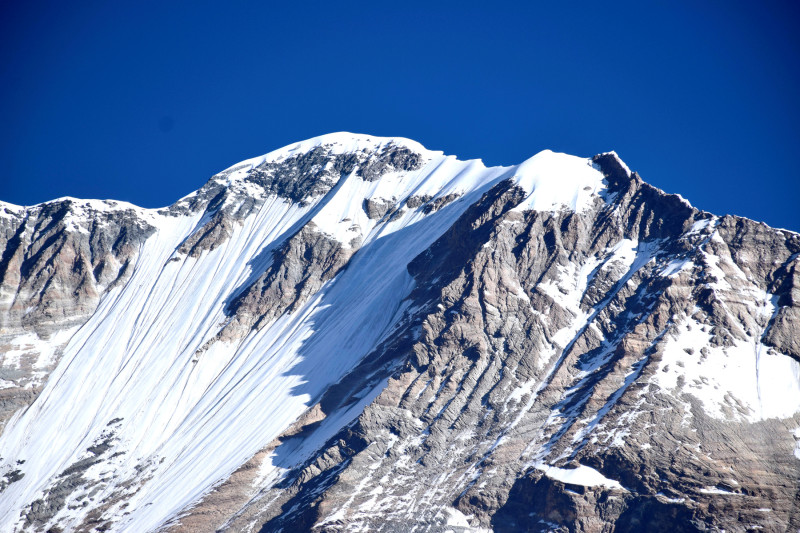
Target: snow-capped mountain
{"x":357,"y":333}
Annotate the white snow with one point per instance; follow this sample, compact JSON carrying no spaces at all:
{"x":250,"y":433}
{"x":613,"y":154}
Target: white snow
{"x":456,"y":518}
{"x":582,"y":475}
{"x":745,"y":381}
{"x":8,"y":210}
{"x":77,"y":204}
{"x":343,"y":217}
{"x":701,"y":225}
{"x":555,"y":180}
{"x":797,"y":443}
{"x":684,"y":200}
{"x":189,"y":418}
{"x":670,"y":500}
{"x":39,"y":352}
{"x":624,"y":259}
{"x":717,"y":490}
{"x":675,"y":266}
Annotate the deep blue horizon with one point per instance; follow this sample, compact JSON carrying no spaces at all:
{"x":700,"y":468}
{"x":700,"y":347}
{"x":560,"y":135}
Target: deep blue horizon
{"x":144,"y":102}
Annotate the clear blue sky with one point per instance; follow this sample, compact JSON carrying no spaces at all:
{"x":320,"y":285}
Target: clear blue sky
{"x":143,"y":101}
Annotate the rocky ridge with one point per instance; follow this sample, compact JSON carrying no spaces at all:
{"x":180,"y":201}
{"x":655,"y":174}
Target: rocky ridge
{"x":597,"y":356}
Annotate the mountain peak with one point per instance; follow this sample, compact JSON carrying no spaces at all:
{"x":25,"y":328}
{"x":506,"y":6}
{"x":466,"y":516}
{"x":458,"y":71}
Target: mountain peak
{"x":555,"y":180}
{"x":309,"y":169}
{"x":341,"y":142}
{"x":356,"y":333}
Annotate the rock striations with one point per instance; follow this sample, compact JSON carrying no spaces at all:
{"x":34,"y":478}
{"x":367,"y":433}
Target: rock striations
{"x":355,"y":333}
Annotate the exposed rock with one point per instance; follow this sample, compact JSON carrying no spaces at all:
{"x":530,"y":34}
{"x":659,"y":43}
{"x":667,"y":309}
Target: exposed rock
{"x":415,"y":201}
{"x":71,"y":485}
{"x":209,"y":237}
{"x":439,"y":202}
{"x":298,"y":269}
{"x":377,"y":209}
{"x":391,"y":158}
{"x":305,"y":176}
{"x":58,"y":258}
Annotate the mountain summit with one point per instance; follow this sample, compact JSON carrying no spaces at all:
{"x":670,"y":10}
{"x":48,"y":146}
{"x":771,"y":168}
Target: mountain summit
{"x":355,"y":333}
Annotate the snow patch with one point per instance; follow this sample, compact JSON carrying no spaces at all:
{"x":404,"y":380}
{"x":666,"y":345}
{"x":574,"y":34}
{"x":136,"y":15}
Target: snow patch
{"x":554,"y":181}
{"x":744,"y":381}
{"x":668,"y":499}
{"x":797,"y":443}
{"x":456,"y":518}
{"x":701,"y":225}
{"x":582,"y":475}
{"x":40,"y":353}
{"x":676,"y":266}
{"x":717,"y":490}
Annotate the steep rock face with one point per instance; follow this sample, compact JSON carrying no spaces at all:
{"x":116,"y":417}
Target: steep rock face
{"x":355,"y":333}
{"x":299,"y":268}
{"x":56,"y":261}
{"x":60,"y":256}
